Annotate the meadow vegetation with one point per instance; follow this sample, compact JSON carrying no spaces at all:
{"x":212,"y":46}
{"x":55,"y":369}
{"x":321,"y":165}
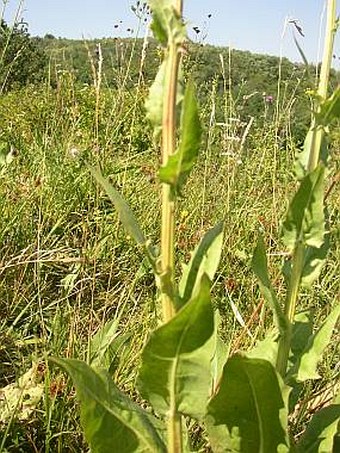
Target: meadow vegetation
{"x":71,"y":279}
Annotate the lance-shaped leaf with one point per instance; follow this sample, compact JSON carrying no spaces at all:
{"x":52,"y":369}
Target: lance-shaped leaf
{"x":107,"y":345}
{"x":167,"y":24}
{"x":110,"y":420}
{"x":127,"y":218}
{"x":204,"y":260}
{"x":126,"y":215}
{"x":101,"y":343}
{"x":260,"y":268}
{"x":301,"y":334}
{"x":175,"y":369}
{"x":249,"y":412}
{"x":306,"y":368}
{"x":180,"y":164}
{"x":321,"y":431}
{"x":305,"y":220}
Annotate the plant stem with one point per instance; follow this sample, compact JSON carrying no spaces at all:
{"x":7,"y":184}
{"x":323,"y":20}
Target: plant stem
{"x":168,"y":211}
{"x":174,"y":433}
{"x":318,"y":130}
{"x":168,"y":149}
{"x":314,"y":157}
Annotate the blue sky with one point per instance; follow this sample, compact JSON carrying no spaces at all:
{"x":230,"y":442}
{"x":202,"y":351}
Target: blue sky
{"x":255,"y":25}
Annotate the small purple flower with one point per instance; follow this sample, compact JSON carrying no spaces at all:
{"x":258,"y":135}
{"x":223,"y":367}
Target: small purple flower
{"x":269,"y":99}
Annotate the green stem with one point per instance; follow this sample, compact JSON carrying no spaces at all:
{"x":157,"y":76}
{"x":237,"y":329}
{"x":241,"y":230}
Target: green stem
{"x":168,"y":211}
{"x":168,"y":148}
{"x":314,"y":157}
{"x":290,"y":307}
{"x":168,"y":201}
{"x":174,"y":433}
{"x":318,"y":131}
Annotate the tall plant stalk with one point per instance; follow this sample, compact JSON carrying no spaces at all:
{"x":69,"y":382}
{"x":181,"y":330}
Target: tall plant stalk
{"x":168,"y":149}
{"x":317,"y":133}
{"x":168,"y":210}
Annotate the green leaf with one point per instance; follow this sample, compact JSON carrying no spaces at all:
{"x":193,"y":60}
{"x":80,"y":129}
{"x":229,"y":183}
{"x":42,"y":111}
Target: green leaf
{"x":321,"y":430}
{"x":313,"y":262}
{"x":221,"y":354}
{"x":180,"y":164}
{"x":305,"y":220}
{"x":106,"y":345}
{"x":204,"y":260}
{"x":329,"y":109}
{"x":126,"y":216}
{"x":260,"y":268}
{"x":302,"y":331}
{"x":302,"y":157}
{"x":108,"y":417}
{"x":176,"y":360}
{"x":266,"y":349}
{"x":167,"y":25}
{"x":307,"y":366}
{"x":101,"y":343}
{"x":249,"y":412}
{"x":155,"y":100}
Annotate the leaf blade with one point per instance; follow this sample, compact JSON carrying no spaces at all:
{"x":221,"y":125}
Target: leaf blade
{"x":249,"y":413}
{"x":176,"y":360}
{"x":179,"y":165}
{"x":108,"y":417}
{"x":126,"y":215}
{"x":307,"y":365}
{"x":204,"y":260}
{"x":305,"y":220}
{"x":260,"y":268}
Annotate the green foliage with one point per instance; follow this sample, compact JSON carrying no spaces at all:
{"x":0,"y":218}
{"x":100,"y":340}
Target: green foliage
{"x":319,"y":435}
{"x":22,"y":61}
{"x":66,"y":267}
{"x":317,"y":343}
{"x":305,"y":218}
{"x":249,"y":411}
{"x":155,"y":100}
{"x":180,"y":164}
{"x":260,"y":268}
{"x":108,"y":416}
{"x":175,"y":372}
{"x":127,"y":217}
{"x":204,"y":260}
{"x":329,"y":109}
{"x":167,"y":24}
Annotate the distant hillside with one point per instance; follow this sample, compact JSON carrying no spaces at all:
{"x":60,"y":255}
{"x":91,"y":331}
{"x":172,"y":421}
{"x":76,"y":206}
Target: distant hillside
{"x":252,"y":79}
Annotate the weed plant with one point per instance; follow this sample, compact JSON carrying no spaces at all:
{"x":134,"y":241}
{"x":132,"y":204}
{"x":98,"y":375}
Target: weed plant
{"x":74,"y":285}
